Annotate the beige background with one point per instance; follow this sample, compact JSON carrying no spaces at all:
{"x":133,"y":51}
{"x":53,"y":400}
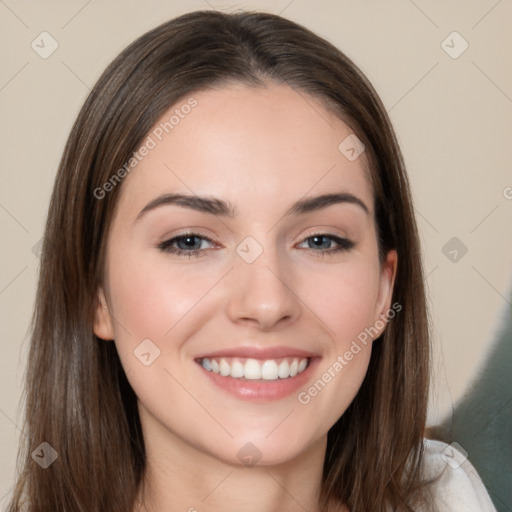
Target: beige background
{"x":452,"y":115}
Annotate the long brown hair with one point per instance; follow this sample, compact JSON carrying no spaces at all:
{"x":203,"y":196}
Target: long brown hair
{"x":77,"y":397}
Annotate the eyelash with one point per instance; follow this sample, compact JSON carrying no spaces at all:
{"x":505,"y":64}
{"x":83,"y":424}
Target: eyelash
{"x":344,"y":244}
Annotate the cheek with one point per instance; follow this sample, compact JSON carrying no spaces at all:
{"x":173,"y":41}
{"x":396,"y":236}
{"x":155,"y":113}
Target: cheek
{"x":344,"y":298}
{"x":150,"y":297}
{"x":345,"y":301}
{"x":153,"y":304}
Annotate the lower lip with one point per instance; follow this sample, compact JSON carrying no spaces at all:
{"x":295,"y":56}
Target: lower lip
{"x":262,"y":390}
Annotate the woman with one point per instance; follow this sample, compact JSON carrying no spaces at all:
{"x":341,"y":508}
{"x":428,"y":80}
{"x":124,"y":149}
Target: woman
{"x":231,"y":313}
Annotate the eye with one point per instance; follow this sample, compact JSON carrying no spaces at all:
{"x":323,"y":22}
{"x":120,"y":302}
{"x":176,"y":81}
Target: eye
{"x":192,"y":244}
{"x":188,"y":244}
{"x":324,"y":241}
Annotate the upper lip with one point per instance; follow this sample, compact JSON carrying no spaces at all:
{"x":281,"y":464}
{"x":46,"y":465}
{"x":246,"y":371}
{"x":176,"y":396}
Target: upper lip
{"x":255,"y":352}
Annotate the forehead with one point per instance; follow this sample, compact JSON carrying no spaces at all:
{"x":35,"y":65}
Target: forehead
{"x":252,"y":145}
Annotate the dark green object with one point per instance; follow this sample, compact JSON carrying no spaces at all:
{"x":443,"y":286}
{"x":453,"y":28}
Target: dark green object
{"x":482,"y":420}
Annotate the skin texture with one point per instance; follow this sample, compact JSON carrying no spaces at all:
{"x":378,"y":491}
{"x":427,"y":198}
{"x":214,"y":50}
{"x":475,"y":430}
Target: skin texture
{"x":260,"y":149}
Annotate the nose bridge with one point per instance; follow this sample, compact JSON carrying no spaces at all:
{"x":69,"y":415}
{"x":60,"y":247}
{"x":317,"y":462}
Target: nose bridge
{"x":261,"y":290}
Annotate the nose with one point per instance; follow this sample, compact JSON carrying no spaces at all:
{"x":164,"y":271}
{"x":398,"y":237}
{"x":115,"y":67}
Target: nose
{"x":262,"y":292}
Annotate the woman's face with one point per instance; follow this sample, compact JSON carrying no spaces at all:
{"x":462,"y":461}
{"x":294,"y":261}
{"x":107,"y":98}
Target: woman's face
{"x":243,"y":313}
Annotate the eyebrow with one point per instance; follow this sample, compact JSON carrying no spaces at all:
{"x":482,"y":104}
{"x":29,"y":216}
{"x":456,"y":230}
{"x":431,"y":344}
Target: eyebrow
{"x":217,"y":206}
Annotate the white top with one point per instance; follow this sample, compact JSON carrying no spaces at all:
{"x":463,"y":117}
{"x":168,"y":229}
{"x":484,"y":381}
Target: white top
{"x":459,"y":488}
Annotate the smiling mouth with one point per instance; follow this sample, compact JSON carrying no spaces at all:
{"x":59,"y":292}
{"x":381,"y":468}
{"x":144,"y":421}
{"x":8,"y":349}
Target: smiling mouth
{"x":254,"y":369}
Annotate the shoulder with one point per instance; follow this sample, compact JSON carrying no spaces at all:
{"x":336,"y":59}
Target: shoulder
{"x":459,"y":486}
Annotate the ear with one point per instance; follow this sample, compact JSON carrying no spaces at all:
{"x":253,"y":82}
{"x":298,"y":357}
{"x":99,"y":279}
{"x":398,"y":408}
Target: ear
{"x":103,"y":325}
{"x":386,"y":286}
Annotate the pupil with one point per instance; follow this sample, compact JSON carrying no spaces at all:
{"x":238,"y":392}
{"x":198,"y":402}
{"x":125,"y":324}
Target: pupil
{"x":189,"y":241}
{"x":318,"y":239}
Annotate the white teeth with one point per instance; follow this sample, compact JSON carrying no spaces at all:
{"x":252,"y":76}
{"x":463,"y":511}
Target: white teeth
{"x":284,"y":370}
{"x":237,"y":369}
{"x":224,"y":368}
{"x":294,"y":367}
{"x":269,"y":370}
{"x":253,"y":369}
